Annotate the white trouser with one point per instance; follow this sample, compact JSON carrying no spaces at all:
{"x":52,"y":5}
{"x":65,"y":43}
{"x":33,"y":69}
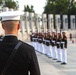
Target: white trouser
{"x":48,"y":50}
{"x":38,"y":46}
{"x":41,"y":48}
{"x":35,"y":45}
{"x":51,"y":53}
{"x":31,"y":43}
{"x":54,"y":49}
{"x":64,"y":55}
{"x":44,"y":49}
{"x":59,"y":54}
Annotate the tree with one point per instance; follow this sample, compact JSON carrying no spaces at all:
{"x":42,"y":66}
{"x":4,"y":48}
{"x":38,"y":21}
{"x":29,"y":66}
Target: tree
{"x":56,"y":6}
{"x":1,"y":1}
{"x":28,"y":8}
{"x":11,"y":4}
{"x":49,"y":7}
{"x":60,"y":7}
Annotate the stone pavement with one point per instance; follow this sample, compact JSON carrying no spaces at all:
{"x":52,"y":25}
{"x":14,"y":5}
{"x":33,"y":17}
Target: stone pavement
{"x":51,"y":67}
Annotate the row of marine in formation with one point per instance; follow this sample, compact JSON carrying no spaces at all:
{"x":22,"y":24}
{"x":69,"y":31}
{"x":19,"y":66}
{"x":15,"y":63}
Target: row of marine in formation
{"x":53,"y":45}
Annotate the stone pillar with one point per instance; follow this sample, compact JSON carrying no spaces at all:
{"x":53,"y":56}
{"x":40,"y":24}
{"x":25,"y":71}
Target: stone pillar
{"x":32,"y":22}
{"x":72,"y":22}
{"x":65,"y":22}
{"x":51,"y":22}
{"x":37,"y":22}
{"x":22,"y":24}
{"x":21,"y":33}
{"x":57,"y":22}
{"x":44,"y":22}
{"x":11,"y":9}
{"x":5,"y":9}
{"x":27,"y":23}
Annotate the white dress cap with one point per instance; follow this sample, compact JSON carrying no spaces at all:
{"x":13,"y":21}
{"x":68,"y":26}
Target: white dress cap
{"x":11,"y":15}
{"x":53,"y":30}
{"x":58,"y":31}
{"x":64,"y":31}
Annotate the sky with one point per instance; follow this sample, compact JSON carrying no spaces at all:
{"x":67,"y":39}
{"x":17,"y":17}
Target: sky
{"x":38,"y":5}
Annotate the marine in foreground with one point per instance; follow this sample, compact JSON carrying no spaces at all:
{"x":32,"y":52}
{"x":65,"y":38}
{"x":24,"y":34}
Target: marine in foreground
{"x":24,"y":60}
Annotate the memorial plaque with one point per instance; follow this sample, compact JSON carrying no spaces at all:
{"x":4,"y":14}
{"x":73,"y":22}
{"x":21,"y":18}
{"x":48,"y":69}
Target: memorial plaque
{"x":32,"y":22}
{"x":37,"y":22}
{"x":51,"y":22}
{"x":65,"y":22}
{"x":27,"y":19}
{"x":57,"y":22}
{"x":44,"y":22}
{"x":72,"y":22}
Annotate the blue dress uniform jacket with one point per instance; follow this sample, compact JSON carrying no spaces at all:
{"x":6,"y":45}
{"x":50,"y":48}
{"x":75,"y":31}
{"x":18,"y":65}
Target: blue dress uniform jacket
{"x":25,"y":59}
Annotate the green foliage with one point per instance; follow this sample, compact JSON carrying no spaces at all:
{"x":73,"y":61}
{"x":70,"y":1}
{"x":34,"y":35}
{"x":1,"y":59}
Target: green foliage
{"x":49,"y":7}
{"x":28,"y":8}
{"x":11,"y":4}
{"x":1,"y":2}
{"x":60,"y":7}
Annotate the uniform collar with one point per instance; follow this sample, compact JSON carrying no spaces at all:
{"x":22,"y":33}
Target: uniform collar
{"x":10,"y":38}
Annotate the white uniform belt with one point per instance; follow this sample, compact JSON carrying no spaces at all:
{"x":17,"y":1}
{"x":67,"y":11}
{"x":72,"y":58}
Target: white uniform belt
{"x":40,"y":39}
{"x":47,"y":41}
{"x":58,"y":42}
{"x":53,"y":41}
{"x":33,"y":38}
{"x":63,"y":42}
{"x":44,"y":40}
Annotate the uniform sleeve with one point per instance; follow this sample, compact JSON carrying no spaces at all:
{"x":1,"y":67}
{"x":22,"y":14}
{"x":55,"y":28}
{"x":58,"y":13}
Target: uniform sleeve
{"x":34,"y":66}
{"x":65,"y":42}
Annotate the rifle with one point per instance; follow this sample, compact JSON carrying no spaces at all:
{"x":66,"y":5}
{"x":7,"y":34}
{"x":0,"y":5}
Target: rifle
{"x":56,"y":33}
{"x":60,"y":32}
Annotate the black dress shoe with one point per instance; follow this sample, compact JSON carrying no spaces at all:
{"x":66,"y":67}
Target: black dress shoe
{"x":63,"y":63}
{"x":54,"y":59}
{"x":49,"y":57}
{"x":58,"y":61}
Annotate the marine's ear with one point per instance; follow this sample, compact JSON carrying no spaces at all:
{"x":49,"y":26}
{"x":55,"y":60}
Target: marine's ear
{"x":3,"y":26}
{"x":18,"y":26}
